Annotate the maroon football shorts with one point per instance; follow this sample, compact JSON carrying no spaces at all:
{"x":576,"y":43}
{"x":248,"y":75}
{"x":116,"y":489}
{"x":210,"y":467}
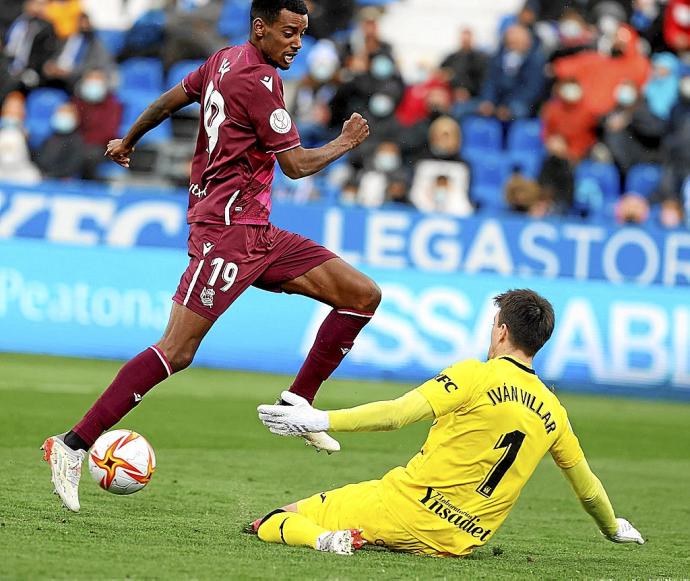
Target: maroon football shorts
{"x":226,"y":260}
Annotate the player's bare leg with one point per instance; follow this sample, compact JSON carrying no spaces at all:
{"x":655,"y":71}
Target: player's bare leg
{"x":354,"y":298}
{"x":174,"y":352}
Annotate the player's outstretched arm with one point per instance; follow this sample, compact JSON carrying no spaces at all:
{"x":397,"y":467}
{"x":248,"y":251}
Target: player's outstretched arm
{"x":596,"y":502}
{"x":299,"y":162}
{"x":120,"y":150}
{"x":378,"y":416}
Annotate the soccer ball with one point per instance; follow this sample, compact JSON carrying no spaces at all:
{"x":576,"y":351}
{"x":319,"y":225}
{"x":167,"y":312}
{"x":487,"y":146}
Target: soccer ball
{"x":122,"y":461}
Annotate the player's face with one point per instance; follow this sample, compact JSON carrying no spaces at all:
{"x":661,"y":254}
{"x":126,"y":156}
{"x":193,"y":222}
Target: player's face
{"x":281,"y":41}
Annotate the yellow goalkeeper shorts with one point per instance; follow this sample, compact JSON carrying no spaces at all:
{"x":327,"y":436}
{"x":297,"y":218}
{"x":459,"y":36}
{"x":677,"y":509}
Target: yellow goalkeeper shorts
{"x":359,"y":506}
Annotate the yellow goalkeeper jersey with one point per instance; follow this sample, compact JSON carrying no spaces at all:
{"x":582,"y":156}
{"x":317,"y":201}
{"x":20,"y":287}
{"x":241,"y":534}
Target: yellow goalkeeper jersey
{"x":494,"y":423}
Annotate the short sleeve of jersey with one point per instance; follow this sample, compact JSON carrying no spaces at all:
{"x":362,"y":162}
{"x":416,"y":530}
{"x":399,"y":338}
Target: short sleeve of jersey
{"x":566,"y":450}
{"x":453,"y":388}
{"x":193,"y":83}
{"x":265,"y":105}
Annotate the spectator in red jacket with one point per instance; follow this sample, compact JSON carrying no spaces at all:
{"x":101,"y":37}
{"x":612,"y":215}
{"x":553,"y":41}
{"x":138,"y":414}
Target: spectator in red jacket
{"x":600,"y":74}
{"x":101,"y":114}
{"x":567,"y":115}
{"x":677,"y":25}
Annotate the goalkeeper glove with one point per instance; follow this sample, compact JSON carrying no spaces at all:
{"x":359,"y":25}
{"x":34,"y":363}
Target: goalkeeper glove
{"x":626,"y":533}
{"x":294,"y":419}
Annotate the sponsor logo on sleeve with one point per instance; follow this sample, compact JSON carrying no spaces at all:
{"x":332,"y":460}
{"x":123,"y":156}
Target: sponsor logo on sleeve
{"x":280,"y":121}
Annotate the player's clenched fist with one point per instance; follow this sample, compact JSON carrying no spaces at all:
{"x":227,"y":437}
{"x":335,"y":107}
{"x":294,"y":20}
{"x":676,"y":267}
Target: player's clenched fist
{"x":118,"y":152}
{"x":355,"y":130}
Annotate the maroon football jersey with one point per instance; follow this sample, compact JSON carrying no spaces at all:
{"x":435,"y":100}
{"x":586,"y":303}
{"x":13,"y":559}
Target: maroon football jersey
{"x":243,"y":125}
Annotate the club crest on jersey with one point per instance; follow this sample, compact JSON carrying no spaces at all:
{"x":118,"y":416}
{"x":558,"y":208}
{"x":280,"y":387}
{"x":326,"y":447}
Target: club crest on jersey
{"x":207,"y":295}
{"x":280,"y":121}
{"x":267,"y":82}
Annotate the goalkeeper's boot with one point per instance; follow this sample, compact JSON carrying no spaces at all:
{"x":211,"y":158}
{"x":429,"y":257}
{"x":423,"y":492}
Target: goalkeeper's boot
{"x":65,"y":468}
{"x":319,"y":440}
{"x":340,"y":542}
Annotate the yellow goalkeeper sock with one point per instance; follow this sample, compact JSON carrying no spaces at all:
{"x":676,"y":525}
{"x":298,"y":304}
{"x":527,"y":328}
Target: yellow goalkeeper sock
{"x":291,"y":529}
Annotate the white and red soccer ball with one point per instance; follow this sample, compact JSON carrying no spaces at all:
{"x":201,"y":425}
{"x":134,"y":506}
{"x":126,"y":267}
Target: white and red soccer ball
{"x":122,"y":461}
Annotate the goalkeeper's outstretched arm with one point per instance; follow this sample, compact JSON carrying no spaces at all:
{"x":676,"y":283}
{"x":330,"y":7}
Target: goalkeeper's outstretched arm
{"x":378,"y":416}
{"x":595,"y":501}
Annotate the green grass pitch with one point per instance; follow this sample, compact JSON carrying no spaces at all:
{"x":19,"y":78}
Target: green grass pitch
{"x":218,"y":468}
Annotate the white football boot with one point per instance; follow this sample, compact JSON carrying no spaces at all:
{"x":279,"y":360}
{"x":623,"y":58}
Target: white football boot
{"x":340,"y":542}
{"x":319,"y":440}
{"x":65,"y":468}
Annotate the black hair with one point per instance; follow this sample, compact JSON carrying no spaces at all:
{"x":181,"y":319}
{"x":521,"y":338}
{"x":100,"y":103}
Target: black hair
{"x":529,"y":317}
{"x":269,"y":10}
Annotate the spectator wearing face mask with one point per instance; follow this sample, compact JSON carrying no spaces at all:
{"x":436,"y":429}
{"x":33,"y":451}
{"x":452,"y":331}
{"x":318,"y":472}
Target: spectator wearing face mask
{"x":375,"y":94}
{"x":383,"y":168}
{"x":631,"y":132}
{"x":78,"y":53}
{"x":371,"y":86}
{"x":599,"y":73}
{"x":574,"y":35}
{"x":314,"y":93}
{"x":100,"y":114}
{"x":63,"y":154}
{"x":15,"y":160}
{"x":567,"y":115}
{"x":677,"y":25}
{"x":661,"y":92}
{"x":442,"y":179}
{"x":515,"y":77}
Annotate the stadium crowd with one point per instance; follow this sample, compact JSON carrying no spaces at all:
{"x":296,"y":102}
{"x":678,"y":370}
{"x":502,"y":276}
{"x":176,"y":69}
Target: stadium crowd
{"x":583,"y":109}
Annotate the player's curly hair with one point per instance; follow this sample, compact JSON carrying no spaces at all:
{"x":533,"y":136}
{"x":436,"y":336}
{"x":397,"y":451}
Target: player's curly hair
{"x":529,"y":317}
{"x":268,"y":10}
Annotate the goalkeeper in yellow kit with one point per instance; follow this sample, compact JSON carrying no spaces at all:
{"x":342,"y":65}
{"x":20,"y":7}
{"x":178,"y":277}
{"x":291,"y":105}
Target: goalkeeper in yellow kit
{"x":493,"y":423}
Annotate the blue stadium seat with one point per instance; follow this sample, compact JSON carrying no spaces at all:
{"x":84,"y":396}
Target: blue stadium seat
{"x":40,"y":106}
{"x":180,"y":70}
{"x":113,"y":40}
{"x":233,"y":22}
{"x":643,"y":179}
{"x":597,"y":187}
{"x":528,"y":162}
{"x":134,"y":104}
{"x":489,"y":174}
{"x":141,"y":74}
{"x":481,"y":134}
{"x":605,"y":174}
{"x":524,"y":135}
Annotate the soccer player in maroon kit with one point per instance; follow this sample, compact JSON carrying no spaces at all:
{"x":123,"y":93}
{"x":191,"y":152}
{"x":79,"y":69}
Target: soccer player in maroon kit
{"x":244,"y":129}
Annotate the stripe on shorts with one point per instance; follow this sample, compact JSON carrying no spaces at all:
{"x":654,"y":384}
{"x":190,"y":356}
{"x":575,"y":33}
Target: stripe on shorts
{"x":227,"y":207}
{"x":191,"y":284}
